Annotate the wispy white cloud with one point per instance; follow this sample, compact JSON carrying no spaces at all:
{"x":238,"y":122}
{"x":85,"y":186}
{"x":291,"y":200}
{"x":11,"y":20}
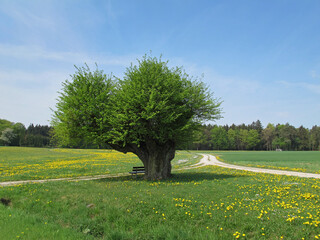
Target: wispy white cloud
{"x":36,"y":53}
{"x":31,"y":80}
{"x":315,"y":75}
{"x":283,"y":114}
{"x":63,"y":26}
{"x":312,"y":87}
{"x":31,"y":19}
{"x":29,"y":14}
{"x":29,"y":52}
{"x":111,"y":15}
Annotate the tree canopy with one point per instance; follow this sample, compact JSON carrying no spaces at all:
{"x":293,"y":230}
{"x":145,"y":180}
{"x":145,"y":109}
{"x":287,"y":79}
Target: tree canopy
{"x":148,"y":112}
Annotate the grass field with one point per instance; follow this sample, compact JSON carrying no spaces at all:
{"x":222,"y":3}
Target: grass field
{"x":204,"y":203}
{"x":43,"y":163}
{"x":308,"y":161}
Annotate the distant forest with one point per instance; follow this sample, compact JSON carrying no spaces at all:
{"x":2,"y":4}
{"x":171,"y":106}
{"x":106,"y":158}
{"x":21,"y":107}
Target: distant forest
{"x":209,"y":137}
{"x":255,"y":137}
{"x":16,"y":134}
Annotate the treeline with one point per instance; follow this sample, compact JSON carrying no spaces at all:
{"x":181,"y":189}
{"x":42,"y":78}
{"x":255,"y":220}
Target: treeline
{"x":16,"y":134}
{"x":209,"y":137}
{"x":255,"y":137}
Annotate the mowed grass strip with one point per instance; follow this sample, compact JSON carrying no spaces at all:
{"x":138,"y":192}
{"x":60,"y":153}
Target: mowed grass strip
{"x":204,"y":203}
{"x":19,"y":163}
{"x":301,"y":161}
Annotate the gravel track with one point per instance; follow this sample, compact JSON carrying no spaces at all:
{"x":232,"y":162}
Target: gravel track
{"x":212,"y":160}
{"x":83,"y":178}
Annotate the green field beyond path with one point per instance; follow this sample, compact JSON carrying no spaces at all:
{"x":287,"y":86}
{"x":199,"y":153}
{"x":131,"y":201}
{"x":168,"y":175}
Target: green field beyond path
{"x":308,"y":161}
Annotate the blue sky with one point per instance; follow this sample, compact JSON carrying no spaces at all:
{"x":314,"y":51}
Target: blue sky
{"x":262,"y":58}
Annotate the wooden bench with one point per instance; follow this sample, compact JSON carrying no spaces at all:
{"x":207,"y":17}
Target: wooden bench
{"x":136,"y":170}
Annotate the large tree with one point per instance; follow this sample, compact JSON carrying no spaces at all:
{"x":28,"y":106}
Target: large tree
{"x":148,"y":112}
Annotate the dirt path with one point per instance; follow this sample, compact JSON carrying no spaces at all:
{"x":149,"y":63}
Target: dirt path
{"x":211,"y":160}
{"x":83,"y":178}
{"x":205,"y":161}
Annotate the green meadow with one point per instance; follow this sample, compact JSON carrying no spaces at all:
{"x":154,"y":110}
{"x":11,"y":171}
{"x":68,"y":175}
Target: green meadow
{"x":302,"y":161}
{"x":22,"y":163}
{"x":204,"y":203}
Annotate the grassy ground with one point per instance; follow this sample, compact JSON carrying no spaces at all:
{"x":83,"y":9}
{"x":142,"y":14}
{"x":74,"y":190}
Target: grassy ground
{"x":204,"y":203}
{"x":286,"y":160}
{"x":42,"y":163}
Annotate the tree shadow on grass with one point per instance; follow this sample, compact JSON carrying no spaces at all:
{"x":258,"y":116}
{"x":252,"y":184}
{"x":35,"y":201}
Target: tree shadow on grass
{"x":176,"y":177}
{"x":198,"y":176}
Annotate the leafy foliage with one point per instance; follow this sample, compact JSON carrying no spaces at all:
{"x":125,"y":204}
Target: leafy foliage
{"x":152,"y":101}
{"x":155,"y":102}
{"x":83,"y":109}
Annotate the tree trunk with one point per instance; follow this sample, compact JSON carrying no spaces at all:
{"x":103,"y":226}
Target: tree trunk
{"x":157,"y":161}
{"x":156,"y":157}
